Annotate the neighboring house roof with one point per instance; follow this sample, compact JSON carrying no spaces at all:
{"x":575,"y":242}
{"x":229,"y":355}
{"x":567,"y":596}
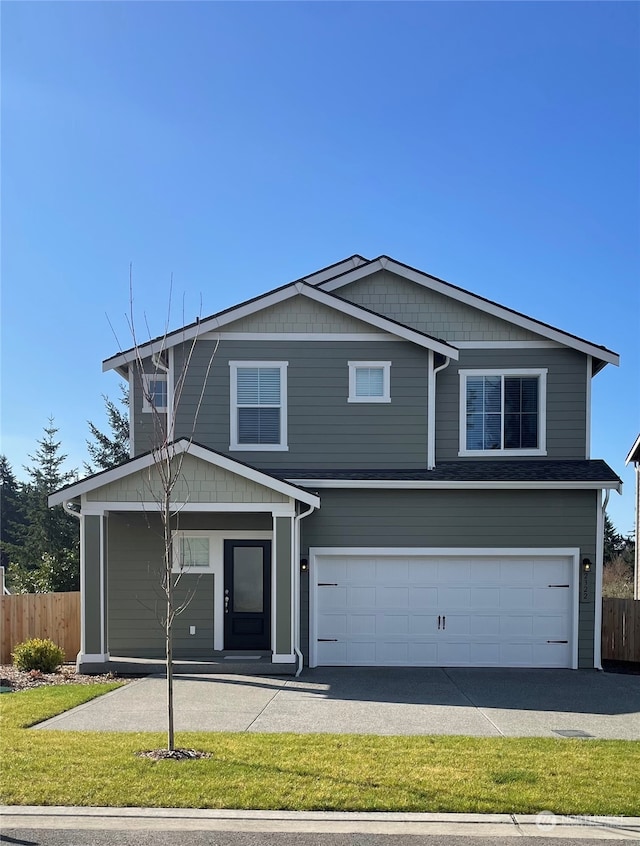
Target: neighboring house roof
{"x":588,"y":474}
{"x":634,"y":452}
{"x":331,"y":278}
{"x":147,"y":459}
{"x":217,"y":321}
{"x":601,"y":354}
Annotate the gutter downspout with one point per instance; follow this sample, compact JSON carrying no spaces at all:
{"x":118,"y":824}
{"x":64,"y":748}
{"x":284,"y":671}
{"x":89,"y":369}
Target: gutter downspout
{"x":597,"y":645}
{"x":296,"y":587}
{"x":431,"y":409}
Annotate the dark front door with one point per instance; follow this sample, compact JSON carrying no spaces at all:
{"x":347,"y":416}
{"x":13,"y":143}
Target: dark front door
{"x":247,"y":594}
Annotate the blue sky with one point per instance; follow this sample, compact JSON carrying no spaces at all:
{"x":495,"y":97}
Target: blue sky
{"x":239,"y":146}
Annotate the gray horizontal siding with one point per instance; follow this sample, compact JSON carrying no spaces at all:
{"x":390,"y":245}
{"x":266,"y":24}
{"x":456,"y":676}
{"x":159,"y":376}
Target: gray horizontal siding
{"x":135,"y":599}
{"x":324,"y":430}
{"x":360,"y":518}
{"x":566,"y":397}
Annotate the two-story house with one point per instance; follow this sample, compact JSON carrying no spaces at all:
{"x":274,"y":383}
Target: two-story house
{"x":378,"y":468}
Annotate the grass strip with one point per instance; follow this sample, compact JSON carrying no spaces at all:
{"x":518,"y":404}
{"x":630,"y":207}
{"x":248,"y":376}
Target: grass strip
{"x":308,"y":772}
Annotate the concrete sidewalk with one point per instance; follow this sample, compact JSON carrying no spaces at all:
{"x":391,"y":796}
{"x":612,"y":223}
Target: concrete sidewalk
{"x":512,"y":703}
{"x":320,"y":822}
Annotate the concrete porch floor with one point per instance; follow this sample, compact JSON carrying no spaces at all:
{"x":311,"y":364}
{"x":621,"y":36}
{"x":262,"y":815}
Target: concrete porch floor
{"x":223,"y":662}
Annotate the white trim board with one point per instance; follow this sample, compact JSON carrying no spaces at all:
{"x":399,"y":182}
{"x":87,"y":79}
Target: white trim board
{"x":571,"y":553}
{"x":418,"y":484}
{"x":143,"y":462}
{"x":278,"y":509}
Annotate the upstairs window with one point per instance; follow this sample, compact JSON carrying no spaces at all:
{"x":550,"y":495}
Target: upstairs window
{"x":258,"y":405}
{"x":369,"y":381}
{"x":503,"y":412}
{"x":154,"y":392}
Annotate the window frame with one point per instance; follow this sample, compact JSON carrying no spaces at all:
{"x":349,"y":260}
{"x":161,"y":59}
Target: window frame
{"x":541,"y":374}
{"x":147,"y":406}
{"x":385,"y":366}
{"x":234,"y":366}
{"x":177,"y":536}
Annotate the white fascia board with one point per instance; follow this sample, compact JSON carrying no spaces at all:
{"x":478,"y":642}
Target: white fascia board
{"x":378,"y":321}
{"x":145,"y":461}
{"x":334,"y":270}
{"x":634,"y":451}
{"x":413,"y":484}
{"x":475,"y":301}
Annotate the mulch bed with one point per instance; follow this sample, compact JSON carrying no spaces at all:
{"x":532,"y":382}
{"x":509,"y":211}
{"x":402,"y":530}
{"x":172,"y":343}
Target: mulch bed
{"x":173,"y":755}
{"x":15,"y":679}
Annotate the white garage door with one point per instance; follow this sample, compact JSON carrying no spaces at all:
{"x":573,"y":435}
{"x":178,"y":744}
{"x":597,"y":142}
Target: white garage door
{"x":442,"y":610}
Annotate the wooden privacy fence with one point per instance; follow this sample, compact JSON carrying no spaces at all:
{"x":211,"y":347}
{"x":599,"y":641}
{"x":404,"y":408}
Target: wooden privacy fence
{"x":52,"y":615}
{"x":621,"y":629}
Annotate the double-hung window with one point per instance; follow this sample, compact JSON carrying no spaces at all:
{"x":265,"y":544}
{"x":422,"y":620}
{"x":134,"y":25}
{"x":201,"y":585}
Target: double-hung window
{"x":369,"y":381}
{"x":154,"y":392}
{"x":503,"y":412}
{"x":258,"y":405}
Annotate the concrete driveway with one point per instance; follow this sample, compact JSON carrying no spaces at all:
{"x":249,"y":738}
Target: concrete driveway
{"x":480,"y":702}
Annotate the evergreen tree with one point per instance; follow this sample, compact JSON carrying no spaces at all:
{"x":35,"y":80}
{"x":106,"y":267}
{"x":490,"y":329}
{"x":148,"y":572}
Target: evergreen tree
{"x":614,"y":543}
{"x":45,"y":555}
{"x":109,"y":450}
{"x":11,"y":510}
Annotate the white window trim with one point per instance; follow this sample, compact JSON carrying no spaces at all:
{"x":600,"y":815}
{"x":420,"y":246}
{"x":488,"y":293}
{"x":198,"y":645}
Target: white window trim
{"x":541,"y":373}
{"x":386,"y":381}
{"x":216,"y":562}
{"x":147,"y":406}
{"x":233,"y":408}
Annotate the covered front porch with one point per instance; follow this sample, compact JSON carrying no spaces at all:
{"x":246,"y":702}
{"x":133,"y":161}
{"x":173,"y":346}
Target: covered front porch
{"x":235,"y":535}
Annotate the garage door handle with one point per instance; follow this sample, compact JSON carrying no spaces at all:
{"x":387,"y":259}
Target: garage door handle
{"x":335,"y":584}
{"x":444,"y":622}
{"x":439,"y":622}
{"x":557,"y":641}
{"x":327,"y":640}
{"x":558,"y":585}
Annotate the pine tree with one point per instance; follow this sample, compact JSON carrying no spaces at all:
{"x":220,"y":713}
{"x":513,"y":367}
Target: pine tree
{"x":45,"y":555}
{"x":109,"y":450}
{"x":11,"y":510}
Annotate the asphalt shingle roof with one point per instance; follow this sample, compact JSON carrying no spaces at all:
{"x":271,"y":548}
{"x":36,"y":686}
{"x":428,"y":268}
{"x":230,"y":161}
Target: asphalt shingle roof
{"x":473,"y":471}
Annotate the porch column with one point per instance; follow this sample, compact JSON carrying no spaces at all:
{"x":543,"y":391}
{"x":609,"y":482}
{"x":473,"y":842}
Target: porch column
{"x":282,"y":591}
{"x":93,"y":639}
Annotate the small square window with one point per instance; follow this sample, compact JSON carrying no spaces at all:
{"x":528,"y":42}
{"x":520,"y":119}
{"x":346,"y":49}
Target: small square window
{"x":369,"y":381}
{"x":191,"y":553}
{"x":154,"y":392}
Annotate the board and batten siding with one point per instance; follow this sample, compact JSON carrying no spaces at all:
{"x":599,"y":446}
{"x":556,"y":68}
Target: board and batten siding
{"x":470,"y":519}
{"x":566,"y":398}
{"x":324,"y":429}
{"x":436,"y":314}
{"x":135,"y":599}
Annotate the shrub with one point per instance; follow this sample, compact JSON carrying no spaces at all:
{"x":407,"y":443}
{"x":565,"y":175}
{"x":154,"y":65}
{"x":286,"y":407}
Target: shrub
{"x":37,"y":654}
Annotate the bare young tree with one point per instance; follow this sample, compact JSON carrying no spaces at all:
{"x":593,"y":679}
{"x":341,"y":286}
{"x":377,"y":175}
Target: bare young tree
{"x":162,"y":397}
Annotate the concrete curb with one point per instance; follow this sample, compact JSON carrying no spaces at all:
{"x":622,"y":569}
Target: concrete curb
{"x":544,"y":824}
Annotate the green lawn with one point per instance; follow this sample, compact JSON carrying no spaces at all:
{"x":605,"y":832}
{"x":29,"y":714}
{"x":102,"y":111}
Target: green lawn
{"x":304,"y":772}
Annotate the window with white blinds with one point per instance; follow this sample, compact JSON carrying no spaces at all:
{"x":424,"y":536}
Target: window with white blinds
{"x":369,"y":381}
{"x":503,"y":412}
{"x":258,"y":405}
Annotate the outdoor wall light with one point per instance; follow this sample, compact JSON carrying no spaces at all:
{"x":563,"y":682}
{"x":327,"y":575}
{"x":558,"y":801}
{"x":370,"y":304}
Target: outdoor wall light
{"x":586,"y":565}
{"x":304,"y":564}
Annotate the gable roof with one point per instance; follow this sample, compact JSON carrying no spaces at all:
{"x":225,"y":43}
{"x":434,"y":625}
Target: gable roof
{"x":321,"y":287}
{"x":634,"y":452}
{"x":300,"y":288}
{"x":147,"y":459}
{"x":601,"y":354}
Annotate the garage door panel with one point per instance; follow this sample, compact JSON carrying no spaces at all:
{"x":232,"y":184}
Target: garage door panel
{"x":434,"y":610}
